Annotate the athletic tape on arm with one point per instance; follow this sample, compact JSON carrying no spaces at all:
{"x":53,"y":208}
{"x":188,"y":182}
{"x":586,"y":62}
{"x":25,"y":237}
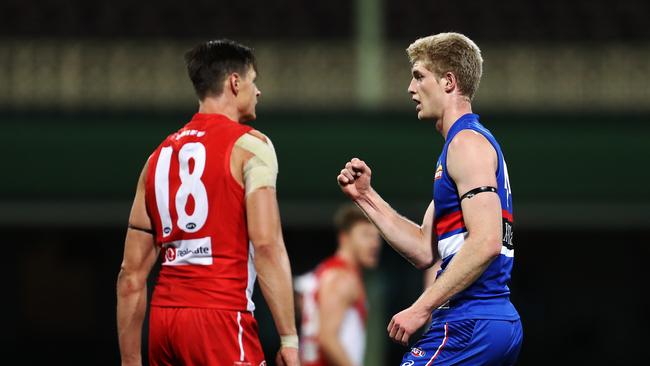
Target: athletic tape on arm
{"x":261,"y":170}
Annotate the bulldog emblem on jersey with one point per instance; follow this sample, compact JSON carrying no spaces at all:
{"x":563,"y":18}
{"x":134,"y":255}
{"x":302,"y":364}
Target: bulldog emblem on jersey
{"x":438,"y":172}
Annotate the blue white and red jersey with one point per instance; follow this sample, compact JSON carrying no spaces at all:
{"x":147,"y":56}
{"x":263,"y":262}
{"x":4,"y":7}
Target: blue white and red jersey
{"x":489,"y":296}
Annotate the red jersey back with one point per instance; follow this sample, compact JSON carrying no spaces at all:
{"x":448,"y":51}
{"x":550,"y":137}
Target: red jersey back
{"x":199,"y":217}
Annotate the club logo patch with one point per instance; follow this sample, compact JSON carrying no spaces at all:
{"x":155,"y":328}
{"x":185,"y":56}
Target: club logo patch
{"x":438,"y":172}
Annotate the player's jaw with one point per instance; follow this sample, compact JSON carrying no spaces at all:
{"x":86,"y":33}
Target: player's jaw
{"x":370,"y":258}
{"x":249,"y":95}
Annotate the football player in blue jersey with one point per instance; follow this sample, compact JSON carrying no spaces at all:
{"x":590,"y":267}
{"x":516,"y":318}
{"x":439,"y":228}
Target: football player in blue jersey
{"x":466,"y":233}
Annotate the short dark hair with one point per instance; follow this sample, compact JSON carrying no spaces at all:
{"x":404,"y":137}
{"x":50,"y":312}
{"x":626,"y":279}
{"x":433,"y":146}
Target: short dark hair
{"x":210,"y":62}
{"x":347,"y":216}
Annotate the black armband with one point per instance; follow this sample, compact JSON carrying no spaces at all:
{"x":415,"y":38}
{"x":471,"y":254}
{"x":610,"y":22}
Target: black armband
{"x":478,"y":190}
{"x":148,"y":231}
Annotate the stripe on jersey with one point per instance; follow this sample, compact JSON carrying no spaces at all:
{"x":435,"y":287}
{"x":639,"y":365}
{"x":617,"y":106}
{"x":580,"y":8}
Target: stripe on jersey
{"x":451,"y":245}
{"x":242,"y":355}
{"x":507,"y":252}
{"x":252,"y":275}
{"x":454,"y":222}
{"x":442,"y":345}
{"x":507,"y":215}
{"x":449,"y":222}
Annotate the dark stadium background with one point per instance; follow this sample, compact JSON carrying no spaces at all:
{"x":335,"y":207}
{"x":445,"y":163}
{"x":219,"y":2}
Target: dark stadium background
{"x":88,"y":89}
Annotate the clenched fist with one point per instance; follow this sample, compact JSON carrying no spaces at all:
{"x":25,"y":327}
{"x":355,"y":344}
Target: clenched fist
{"x":354,"y":179}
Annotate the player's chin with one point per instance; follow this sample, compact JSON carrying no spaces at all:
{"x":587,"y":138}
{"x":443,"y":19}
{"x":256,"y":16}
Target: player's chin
{"x":422,"y":115}
{"x":250,"y":117}
{"x":371,"y":262}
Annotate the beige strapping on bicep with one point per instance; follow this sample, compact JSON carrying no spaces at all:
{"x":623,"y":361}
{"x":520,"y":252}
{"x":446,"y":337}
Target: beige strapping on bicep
{"x":261,"y":170}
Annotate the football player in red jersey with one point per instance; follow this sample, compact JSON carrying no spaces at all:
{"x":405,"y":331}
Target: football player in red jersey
{"x":334,"y":310}
{"x":206,"y":204}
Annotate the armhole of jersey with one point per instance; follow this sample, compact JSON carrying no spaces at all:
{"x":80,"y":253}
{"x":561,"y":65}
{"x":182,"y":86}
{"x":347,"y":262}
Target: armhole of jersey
{"x":146,"y":199}
{"x":500,"y":161}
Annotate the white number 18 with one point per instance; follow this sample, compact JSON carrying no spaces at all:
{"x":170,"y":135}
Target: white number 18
{"x":191,"y":185}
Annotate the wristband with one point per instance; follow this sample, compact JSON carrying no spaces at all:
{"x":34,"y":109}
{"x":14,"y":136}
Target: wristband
{"x":289,"y":341}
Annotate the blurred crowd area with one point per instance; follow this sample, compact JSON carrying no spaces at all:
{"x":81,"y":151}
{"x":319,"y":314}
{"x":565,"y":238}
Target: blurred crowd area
{"x":539,"y":55}
{"x":501,"y":21}
{"x":88,"y":90}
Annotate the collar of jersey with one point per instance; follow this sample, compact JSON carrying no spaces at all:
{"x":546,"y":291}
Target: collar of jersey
{"x":460,"y":124}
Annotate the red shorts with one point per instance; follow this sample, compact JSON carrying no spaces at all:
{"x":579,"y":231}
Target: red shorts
{"x":196,"y":336}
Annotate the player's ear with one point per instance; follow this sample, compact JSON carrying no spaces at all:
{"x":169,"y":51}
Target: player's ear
{"x":449,"y":82}
{"x":234,"y":81}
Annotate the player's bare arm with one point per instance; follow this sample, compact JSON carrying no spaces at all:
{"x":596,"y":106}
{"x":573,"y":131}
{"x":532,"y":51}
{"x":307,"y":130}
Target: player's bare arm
{"x":412,"y":241}
{"x":338,"y":291}
{"x":472,"y":163}
{"x":140,"y":254}
{"x":431,"y":273}
{"x":255,"y":167}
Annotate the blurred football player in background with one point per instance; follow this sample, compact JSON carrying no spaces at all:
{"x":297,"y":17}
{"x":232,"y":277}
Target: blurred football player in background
{"x":333,"y":298}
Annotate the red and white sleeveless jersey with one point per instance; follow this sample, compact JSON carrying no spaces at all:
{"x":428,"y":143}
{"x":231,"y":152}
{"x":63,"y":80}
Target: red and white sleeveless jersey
{"x":199,"y":217}
{"x":352,"y":332}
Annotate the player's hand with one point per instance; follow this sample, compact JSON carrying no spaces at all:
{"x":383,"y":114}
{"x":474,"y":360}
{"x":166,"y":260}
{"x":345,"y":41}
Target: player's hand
{"x":354,"y":178}
{"x":405,"y":323}
{"x":287,"y":356}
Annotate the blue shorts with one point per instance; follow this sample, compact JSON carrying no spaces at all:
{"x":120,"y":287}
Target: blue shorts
{"x":468,"y":342}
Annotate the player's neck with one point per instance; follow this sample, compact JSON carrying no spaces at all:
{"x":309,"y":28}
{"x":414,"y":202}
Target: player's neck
{"x":451,"y":114}
{"x":219,"y":105}
{"x":348,"y":257}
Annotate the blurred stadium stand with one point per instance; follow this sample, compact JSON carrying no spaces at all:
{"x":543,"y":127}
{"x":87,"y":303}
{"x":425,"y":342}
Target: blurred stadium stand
{"x":501,"y":21}
{"x":128,"y":74}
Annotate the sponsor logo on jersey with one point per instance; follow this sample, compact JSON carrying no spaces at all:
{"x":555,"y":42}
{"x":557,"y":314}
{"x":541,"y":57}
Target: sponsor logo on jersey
{"x":408,"y":363}
{"x":417,"y":352}
{"x":170,"y":254}
{"x":187,"y":252}
{"x":438,"y":172}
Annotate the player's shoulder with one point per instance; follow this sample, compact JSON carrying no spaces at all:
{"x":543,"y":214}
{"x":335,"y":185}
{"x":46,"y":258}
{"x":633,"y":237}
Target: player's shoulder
{"x":256,"y":142}
{"x":467,"y":137}
{"x":259,"y":135}
{"x":469,"y":141}
{"x":341,"y":280}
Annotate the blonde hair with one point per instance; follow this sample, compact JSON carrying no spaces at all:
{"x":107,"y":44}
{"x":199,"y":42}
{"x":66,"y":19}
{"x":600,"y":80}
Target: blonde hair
{"x":450,"y":52}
